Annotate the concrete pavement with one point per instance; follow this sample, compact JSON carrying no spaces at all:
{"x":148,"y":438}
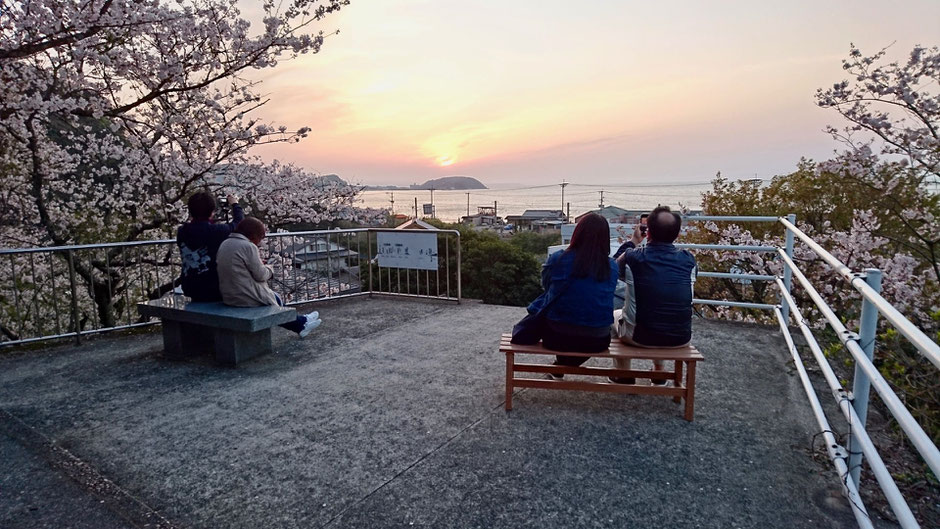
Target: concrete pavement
{"x":390,"y":415}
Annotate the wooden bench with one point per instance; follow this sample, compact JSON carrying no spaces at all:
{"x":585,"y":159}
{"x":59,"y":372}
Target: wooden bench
{"x":684,"y":360}
{"x":233,"y":334}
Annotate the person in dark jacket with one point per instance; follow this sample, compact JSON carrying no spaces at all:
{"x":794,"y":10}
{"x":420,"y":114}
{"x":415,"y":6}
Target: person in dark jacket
{"x":199,"y":241}
{"x":658,"y":308}
{"x":644,"y":218}
{"x":583,"y":278}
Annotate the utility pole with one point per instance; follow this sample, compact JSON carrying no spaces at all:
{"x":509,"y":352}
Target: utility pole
{"x":391,"y":198}
{"x":563,"y":184}
{"x":432,"y":202}
{"x":601,"y":205}
{"x":468,"y":203}
{"x":416,"y":207}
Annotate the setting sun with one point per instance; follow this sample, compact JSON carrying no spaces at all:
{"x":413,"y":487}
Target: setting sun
{"x":444,"y":161}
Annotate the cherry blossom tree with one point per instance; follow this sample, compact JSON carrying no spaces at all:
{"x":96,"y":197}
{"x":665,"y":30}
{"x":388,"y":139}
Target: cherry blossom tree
{"x":114,"y":111}
{"x":868,"y":206}
{"x":891,"y":106}
{"x":894,"y":140}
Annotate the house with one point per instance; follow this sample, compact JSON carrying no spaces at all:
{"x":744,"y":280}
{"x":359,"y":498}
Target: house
{"x":321,"y":254}
{"x":415,"y":224}
{"x":615,"y":215}
{"x":485,"y":217}
{"x":538,"y":219}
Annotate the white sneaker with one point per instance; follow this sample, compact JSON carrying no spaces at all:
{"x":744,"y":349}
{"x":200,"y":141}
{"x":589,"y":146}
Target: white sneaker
{"x":313,"y":315}
{"x":310,"y":326}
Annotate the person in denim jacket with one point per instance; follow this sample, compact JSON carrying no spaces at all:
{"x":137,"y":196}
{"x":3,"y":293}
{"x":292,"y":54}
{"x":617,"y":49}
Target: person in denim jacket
{"x":583,"y":277}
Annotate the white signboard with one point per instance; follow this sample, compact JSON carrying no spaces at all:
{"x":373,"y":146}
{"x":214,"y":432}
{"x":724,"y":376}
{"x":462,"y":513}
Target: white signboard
{"x":408,"y":249}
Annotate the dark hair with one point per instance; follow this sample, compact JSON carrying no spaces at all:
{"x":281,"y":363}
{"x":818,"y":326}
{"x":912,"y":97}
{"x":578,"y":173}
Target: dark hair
{"x":590,"y":243}
{"x":251,"y":227}
{"x":664,"y":224}
{"x":201,"y":205}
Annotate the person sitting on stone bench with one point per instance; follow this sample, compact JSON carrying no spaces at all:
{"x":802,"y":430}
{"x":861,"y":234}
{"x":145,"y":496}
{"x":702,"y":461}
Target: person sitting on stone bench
{"x":199,"y":241}
{"x":657,"y":310}
{"x":243,"y":277}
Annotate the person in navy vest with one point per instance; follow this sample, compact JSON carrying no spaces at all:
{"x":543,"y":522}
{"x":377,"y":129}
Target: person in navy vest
{"x":657,"y":308}
{"x":199,"y":241}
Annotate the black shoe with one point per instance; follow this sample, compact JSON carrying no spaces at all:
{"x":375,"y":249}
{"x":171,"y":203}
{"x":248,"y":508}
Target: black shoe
{"x":659,"y":381}
{"x":622,"y":380}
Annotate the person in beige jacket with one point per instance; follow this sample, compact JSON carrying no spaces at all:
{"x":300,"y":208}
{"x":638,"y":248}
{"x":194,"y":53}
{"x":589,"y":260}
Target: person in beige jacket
{"x":243,"y":277}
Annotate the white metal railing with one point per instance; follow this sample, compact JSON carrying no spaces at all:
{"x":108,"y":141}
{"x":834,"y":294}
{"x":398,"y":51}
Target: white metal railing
{"x":95,"y":288}
{"x":853,"y":404}
{"x":73,"y":291}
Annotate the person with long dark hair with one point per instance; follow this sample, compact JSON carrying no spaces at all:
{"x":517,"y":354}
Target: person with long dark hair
{"x":582,"y":278}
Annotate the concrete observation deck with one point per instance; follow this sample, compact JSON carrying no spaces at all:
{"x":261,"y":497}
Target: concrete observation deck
{"x":391,"y":415}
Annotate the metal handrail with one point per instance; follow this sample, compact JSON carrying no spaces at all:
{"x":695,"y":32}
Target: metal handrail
{"x":832,"y":447}
{"x":921,"y":341}
{"x":888,"y":486}
{"x":852,"y":405}
{"x":732,"y":275}
{"x":727,"y":247}
{"x":720,"y":218}
{"x":914,"y":432}
{"x":127,"y":272}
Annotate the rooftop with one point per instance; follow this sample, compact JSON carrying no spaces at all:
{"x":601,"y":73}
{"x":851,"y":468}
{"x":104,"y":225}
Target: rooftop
{"x":538,"y":214}
{"x":391,"y":415}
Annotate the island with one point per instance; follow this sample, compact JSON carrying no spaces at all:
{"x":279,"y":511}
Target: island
{"x":446,"y":183}
{"x":451,"y":183}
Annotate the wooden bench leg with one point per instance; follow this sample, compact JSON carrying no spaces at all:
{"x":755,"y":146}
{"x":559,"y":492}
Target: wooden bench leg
{"x":677,"y":381}
{"x":510,"y":361}
{"x":690,"y":392}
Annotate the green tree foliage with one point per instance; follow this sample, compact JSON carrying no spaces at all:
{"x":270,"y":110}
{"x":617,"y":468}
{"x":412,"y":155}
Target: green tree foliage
{"x":495,"y":270}
{"x":535,"y":243}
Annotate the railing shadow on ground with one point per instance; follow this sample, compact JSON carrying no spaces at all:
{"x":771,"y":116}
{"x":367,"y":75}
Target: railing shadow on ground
{"x":78,"y":290}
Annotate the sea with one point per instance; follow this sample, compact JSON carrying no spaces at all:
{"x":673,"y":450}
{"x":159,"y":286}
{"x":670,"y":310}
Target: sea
{"x":449,"y":206}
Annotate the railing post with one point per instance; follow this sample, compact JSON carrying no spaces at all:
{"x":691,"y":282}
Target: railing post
{"x":787,"y":274}
{"x":74,"y":291}
{"x":458,"y":268}
{"x":867,"y":328}
{"x":369,"y":253}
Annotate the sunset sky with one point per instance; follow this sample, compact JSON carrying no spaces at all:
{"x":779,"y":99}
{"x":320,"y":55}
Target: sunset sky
{"x":532,"y":92}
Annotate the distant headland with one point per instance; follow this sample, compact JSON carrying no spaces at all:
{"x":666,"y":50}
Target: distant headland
{"x":446,"y":183}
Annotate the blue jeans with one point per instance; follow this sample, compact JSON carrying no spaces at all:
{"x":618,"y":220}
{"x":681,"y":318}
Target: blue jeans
{"x":296,"y":325}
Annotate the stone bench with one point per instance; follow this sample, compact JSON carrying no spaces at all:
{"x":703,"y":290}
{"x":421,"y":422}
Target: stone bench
{"x":232,"y":334}
{"x":682,"y":357}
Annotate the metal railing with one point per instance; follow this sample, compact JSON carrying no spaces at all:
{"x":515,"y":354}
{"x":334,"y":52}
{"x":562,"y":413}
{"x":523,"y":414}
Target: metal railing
{"x":74,"y":291}
{"x":77,"y":290}
{"x":853,"y":404}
